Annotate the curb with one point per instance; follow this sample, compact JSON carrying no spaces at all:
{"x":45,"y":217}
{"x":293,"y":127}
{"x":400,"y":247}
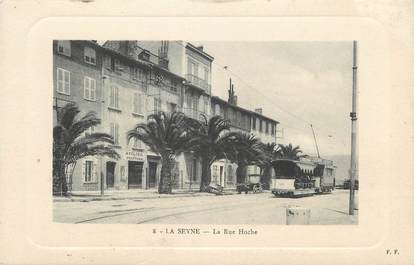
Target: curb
{"x":98,"y":198}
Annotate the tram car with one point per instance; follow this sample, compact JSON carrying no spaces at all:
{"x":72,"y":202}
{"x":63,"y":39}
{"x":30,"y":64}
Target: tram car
{"x":304,"y":177}
{"x":324,"y":174}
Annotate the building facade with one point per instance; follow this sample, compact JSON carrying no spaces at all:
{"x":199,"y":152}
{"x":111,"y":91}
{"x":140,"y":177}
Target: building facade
{"x":223,"y":172}
{"x":124,"y":82}
{"x":77,"y":78}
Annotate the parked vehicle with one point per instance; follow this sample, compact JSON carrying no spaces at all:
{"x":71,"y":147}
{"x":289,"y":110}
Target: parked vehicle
{"x":216,"y":189}
{"x":303,"y":177}
{"x":252,"y":184}
{"x":347,"y":184}
{"x":324,"y":175}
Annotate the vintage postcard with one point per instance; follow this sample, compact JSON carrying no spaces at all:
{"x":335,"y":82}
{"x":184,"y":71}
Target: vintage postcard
{"x":197,"y":140}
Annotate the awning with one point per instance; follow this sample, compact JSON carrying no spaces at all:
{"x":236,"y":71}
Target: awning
{"x":153,"y":158}
{"x":306,"y":167}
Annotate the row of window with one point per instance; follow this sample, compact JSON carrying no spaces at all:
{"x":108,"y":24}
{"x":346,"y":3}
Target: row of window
{"x":63,"y":84}
{"x":113,"y":64}
{"x":192,"y":70}
{"x":114,"y":132}
{"x":89,"y":91}
{"x":241,"y":120}
{"x":89,"y":54}
{"x":193,"y":103}
{"x":263,"y":126}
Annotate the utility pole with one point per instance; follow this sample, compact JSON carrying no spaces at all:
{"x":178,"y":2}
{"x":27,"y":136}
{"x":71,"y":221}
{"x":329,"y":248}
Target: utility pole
{"x":316,"y":143}
{"x":353,"y":116}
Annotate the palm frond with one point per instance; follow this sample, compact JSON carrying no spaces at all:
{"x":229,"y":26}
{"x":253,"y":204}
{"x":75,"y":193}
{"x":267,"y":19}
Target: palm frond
{"x":67,"y":114}
{"x":81,"y":151}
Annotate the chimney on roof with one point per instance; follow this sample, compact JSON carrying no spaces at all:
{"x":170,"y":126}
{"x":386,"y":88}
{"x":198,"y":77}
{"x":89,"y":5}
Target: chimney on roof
{"x":200,"y":48}
{"x":232,"y":97}
{"x":259,"y":110}
{"x":163,"y":54}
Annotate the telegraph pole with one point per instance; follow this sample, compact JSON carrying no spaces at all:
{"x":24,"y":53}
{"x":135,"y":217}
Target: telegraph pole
{"x":353,"y":116}
{"x":316,"y":143}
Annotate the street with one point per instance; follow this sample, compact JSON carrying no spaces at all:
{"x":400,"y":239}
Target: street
{"x":262,"y":208}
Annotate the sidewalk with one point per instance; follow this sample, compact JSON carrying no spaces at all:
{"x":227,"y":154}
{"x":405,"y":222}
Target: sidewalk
{"x":86,"y":196}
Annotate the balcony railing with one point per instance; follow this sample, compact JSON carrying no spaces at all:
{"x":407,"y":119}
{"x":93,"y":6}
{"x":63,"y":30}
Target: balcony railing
{"x":191,"y":113}
{"x":195,"y":114}
{"x":196,"y":81}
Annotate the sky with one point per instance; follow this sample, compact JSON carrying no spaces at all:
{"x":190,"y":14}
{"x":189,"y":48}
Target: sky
{"x":296,"y":83}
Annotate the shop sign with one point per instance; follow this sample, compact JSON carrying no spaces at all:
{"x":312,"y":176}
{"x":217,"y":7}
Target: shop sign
{"x":134,"y":155}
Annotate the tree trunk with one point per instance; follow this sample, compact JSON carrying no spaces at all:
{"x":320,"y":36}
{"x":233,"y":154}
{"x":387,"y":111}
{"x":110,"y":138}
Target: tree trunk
{"x":165,"y":185}
{"x":62,"y":187}
{"x":205,"y":174}
{"x":59,"y":177}
{"x":241,"y":173}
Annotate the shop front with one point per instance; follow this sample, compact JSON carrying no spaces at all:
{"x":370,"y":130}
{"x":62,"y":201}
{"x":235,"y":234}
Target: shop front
{"x":136,"y":174}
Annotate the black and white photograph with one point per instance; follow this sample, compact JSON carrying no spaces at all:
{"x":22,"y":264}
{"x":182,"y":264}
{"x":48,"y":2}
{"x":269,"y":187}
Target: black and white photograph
{"x":205,"y":132}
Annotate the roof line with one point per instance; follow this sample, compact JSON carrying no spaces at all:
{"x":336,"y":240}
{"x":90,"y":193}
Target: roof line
{"x":243,"y":109}
{"x":140,"y":62}
{"x":203,"y":53}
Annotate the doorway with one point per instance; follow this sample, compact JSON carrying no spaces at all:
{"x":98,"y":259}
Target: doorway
{"x":135,"y":174}
{"x":152,"y":174}
{"x":110,"y":174}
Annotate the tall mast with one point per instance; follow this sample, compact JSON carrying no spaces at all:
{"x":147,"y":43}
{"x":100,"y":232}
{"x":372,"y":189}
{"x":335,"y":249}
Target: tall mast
{"x":316,"y":143}
{"x":353,"y":116}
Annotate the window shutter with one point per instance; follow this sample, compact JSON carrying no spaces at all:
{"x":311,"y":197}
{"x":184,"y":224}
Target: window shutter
{"x":189,"y":103}
{"x":93,"y":89}
{"x":156,"y":105}
{"x":117,"y":133}
{"x":111,"y":97}
{"x":67,"y":82}
{"x":141,"y":103}
{"x":86,"y":88}
{"x":89,"y":55}
{"x":195,"y":104}
{"x":83,"y":169}
{"x":150,"y":104}
{"x":116,"y":97}
{"x":94,"y":170}
{"x":59,"y":80}
{"x":196,"y":69}
{"x":135,"y":103}
{"x":112,"y":131}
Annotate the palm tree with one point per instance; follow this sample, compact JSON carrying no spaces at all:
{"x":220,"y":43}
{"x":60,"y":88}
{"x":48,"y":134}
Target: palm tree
{"x":71,"y":144}
{"x":167,"y":134}
{"x":271,"y":151}
{"x":290,"y":152}
{"x":210,"y":145}
{"x":243,"y":149}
